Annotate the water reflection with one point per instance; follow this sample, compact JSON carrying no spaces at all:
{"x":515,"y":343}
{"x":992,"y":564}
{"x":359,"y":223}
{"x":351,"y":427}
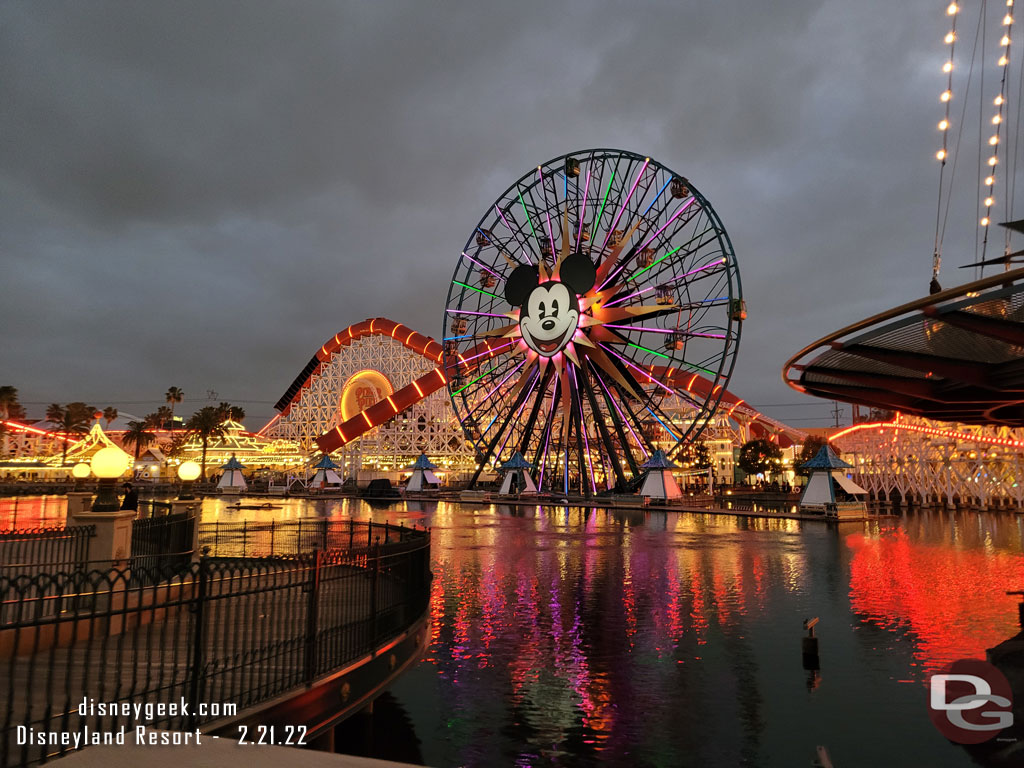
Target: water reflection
{"x":572,"y":636}
{"x":941,"y":578}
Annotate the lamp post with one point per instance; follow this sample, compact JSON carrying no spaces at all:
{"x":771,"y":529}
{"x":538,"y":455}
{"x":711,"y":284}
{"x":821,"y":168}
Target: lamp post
{"x":108,"y":464}
{"x":188,"y":471}
{"x":80,"y":472}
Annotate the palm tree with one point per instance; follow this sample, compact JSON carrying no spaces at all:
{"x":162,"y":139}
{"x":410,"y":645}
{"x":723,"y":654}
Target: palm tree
{"x":109,"y":414}
{"x":206,"y":424}
{"x":55,"y":413}
{"x":138,"y":434}
{"x":236,"y":413}
{"x":164,"y":417}
{"x":74,"y":418}
{"x":8,"y":401}
{"x":174,"y":395}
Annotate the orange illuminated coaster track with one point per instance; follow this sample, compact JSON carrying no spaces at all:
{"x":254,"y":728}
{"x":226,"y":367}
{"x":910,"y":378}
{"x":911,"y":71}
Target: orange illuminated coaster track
{"x":382,"y":411}
{"x":956,"y":356}
{"x":401,"y":399}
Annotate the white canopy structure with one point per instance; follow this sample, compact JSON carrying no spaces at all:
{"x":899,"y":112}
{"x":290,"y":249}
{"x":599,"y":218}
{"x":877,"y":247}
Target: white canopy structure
{"x":325,"y":475}
{"x":658,"y":482}
{"x":232,"y":480}
{"x":423,"y":477}
{"x":828,"y":487}
{"x":517,"y":479}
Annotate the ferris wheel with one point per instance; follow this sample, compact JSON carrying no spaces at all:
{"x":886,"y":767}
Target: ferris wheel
{"x":592,"y":289}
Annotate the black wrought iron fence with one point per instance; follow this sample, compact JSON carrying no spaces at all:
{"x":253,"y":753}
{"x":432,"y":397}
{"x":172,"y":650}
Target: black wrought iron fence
{"x":163,"y":542}
{"x":274,"y":538}
{"x":57,"y":547}
{"x":225,"y":633}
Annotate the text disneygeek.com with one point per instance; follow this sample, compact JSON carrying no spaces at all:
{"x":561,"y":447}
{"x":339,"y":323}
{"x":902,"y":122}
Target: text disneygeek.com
{"x":141,"y":735}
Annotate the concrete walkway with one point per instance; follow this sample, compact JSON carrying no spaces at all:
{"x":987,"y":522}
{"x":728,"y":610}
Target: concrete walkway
{"x":215,"y":753}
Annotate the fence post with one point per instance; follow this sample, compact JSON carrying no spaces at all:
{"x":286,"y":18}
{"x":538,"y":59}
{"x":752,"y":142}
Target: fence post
{"x":196,"y":673}
{"x":245,"y":536}
{"x":373,"y":594}
{"x":312,"y":618}
{"x":351,"y":532}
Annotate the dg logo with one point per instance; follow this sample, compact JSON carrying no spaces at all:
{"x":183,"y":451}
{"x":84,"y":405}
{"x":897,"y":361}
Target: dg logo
{"x":970,"y":701}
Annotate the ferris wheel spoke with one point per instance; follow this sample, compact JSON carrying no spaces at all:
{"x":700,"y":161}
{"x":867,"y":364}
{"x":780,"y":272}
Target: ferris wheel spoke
{"x":617,"y":422}
{"x":519,"y":235}
{"x":615,"y":408}
{"x":602,"y":429}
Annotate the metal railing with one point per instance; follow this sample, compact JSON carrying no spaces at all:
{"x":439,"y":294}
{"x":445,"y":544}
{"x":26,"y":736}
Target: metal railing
{"x":163,"y":542}
{"x":277,"y":538}
{"x":225,"y":631}
{"x":58,"y":547}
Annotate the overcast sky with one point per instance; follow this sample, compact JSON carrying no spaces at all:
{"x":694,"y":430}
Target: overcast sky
{"x":198,"y":194}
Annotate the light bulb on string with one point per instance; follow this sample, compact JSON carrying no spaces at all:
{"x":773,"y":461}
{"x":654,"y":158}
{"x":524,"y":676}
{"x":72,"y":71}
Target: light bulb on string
{"x":999,"y":100}
{"x":984,"y":221}
{"x":1003,"y":61}
{"x":993,"y":160}
{"x":950,"y":37}
{"x":993,"y":140}
{"x":952,"y":8}
{"x":947,"y":67}
{"x":1007,"y":20}
{"x":989,"y":202}
{"x":990,"y":180}
{"x":1005,"y":41}
{"x":946,"y":96}
{"x":943,"y":124}
{"x":997,"y":119}
{"x":940,"y":155}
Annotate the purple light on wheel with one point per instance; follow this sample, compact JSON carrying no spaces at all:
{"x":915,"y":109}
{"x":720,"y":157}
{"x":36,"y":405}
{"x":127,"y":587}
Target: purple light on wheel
{"x":664,"y":330}
{"x":467,"y":312}
{"x":547,"y":440}
{"x":637,"y":368}
{"x":583,"y":428}
{"x":487,"y":352}
{"x":625,"y":202}
{"x":716,"y":263}
{"x":621,"y":414}
{"x":675,"y":215}
{"x":583,"y":208}
{"x":482,"y":266}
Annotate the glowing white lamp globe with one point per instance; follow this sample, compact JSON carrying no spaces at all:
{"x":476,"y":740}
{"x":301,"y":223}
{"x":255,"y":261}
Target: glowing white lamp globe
{"x":188,"y":471}
{"x":80,"y":471}
{"x":110,"y":462}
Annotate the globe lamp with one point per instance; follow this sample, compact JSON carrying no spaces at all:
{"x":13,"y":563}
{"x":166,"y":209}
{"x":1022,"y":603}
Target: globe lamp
{"x":188,"y":471}
{"x":108,"y":464}
{"x":80,"y":472}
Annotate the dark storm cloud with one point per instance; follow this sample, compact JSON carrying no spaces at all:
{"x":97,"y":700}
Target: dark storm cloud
{"x":199,"y":194}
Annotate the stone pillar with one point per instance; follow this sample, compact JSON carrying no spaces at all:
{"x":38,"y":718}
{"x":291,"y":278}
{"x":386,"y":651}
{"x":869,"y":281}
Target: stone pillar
{"x":112,"y":545}
{"x":78,"y":502}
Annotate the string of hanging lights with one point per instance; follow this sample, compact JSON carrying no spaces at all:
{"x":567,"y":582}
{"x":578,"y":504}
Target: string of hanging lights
{"x":997,"y":120}
{"x":946,"y":97}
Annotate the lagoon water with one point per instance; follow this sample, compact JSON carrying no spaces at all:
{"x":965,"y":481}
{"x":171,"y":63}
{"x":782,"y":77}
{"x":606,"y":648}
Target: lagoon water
{"x":572,"y":636}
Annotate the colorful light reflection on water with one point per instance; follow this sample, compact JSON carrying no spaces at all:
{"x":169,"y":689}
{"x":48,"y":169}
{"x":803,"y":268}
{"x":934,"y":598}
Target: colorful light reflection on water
{"x":587,"y":637}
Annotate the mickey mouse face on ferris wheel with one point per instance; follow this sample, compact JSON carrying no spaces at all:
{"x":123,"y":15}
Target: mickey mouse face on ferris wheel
{"x":549,"y":312}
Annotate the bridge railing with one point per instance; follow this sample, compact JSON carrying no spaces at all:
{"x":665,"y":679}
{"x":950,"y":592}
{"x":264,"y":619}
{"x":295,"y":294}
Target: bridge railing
{"x":276,"y":538}
{"x":59,"y":546}
{"x":222,"y":633}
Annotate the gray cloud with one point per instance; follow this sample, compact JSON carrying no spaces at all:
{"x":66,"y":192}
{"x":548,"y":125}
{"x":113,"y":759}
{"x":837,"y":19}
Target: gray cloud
{"x":200,"y":193}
